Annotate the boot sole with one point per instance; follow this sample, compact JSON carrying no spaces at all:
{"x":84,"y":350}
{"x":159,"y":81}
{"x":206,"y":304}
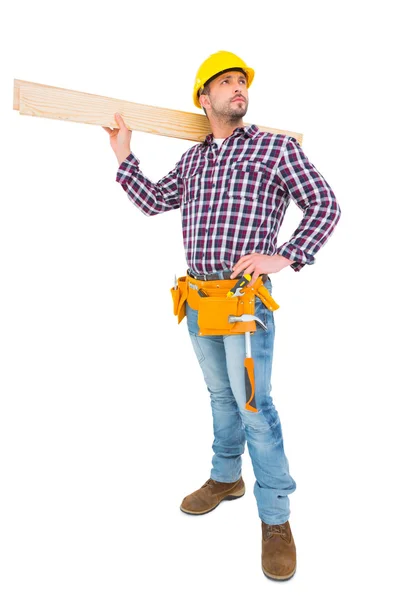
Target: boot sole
{"x":278,"y":577}
{"x":204,"y":512}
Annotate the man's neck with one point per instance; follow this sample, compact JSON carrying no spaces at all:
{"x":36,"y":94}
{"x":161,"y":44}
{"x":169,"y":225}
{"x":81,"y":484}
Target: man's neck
{"x":223,"y":129}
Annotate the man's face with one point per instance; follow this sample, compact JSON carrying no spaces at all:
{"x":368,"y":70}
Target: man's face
{"x":228,"y":96}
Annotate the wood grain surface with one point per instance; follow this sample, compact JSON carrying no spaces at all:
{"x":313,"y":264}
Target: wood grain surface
{"x":39,"y":100}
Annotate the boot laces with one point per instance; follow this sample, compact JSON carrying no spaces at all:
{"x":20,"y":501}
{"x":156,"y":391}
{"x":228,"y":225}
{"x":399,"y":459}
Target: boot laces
{"x":275,"y":529}
{"x":209,"y":482}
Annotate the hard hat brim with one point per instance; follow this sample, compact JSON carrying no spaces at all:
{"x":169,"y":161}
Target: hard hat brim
{"x":249,"y":72}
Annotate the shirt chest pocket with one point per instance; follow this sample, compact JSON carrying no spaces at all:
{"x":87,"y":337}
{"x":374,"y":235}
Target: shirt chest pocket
{"x":247,"y":179}
{"x":191,"y":184}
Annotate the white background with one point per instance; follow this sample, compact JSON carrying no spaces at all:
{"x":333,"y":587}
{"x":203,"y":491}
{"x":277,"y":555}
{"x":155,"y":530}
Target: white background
{"x":105,"y":418}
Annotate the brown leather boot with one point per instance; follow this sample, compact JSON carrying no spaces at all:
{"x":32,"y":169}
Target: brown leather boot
{"x":210,"y":495}
{"x":278,"y":551}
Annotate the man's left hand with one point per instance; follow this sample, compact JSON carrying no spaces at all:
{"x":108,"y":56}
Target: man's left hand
{"x":259,"y":264}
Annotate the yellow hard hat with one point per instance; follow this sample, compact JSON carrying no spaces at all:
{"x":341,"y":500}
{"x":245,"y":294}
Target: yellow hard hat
{"x":215,"y":64}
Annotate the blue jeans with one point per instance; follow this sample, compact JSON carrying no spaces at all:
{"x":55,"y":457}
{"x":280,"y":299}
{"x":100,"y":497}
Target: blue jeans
{"x":221,"y":359}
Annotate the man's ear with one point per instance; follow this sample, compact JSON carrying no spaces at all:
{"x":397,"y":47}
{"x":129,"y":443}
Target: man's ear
{"x":204,"y":101}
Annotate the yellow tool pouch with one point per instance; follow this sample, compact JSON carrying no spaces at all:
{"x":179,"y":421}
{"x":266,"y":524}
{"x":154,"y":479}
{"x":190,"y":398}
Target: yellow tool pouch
{"x":214,"y":313}
{"x":215,"y":308}
{"x":179,"y":297}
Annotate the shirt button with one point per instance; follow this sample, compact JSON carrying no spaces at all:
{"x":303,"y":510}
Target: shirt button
{"x":213,"y":185}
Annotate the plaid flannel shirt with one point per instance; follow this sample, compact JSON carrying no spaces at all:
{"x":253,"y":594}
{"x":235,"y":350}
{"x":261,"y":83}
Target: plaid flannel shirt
{"x":233,"y":199}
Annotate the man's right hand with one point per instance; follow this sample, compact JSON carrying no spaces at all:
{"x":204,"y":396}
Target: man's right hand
{"x":120,"y":139}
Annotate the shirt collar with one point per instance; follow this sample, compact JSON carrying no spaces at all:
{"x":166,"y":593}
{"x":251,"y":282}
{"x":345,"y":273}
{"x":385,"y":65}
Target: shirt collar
{"x":248,"y":131}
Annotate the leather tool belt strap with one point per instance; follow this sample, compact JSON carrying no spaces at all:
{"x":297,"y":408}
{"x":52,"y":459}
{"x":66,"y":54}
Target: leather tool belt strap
{"x":214,"y":307}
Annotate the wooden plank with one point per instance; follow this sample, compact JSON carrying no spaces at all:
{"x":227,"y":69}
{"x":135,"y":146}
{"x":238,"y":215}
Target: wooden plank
{"x":39,"y":100}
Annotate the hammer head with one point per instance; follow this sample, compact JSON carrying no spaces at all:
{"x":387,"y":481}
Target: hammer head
{"x":246,"y":318}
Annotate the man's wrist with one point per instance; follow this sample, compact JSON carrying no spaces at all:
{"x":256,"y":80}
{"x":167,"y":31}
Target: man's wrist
{"x":285,"y":261}
{"x":121,"y":156}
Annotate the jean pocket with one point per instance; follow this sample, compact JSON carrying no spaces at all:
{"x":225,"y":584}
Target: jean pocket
{"x":197,"y":348}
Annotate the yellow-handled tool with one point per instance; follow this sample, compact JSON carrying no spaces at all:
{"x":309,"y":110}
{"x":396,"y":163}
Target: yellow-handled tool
{"x":244,"y":280}
{"x":269,"y":301}
{"x":249,"y":378}
{"x":261,"y":291}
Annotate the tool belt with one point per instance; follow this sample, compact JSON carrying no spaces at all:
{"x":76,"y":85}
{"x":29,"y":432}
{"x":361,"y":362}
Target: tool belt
{"x":215,"y":308}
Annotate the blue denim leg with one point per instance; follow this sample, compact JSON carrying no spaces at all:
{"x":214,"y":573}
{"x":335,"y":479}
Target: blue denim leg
{"x":229,"y":437}
{"x":221,"y":359}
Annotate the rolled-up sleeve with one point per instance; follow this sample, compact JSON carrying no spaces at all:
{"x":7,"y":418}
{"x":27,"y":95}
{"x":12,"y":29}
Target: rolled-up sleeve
{"x":151,"y":198}
{"x":313,"y":195}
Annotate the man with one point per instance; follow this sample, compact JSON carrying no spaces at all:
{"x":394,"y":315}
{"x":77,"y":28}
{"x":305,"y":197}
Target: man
{"x":233,"y":190}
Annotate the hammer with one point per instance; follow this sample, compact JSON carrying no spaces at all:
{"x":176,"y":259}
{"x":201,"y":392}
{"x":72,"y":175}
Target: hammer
{"x":248,"y":361}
